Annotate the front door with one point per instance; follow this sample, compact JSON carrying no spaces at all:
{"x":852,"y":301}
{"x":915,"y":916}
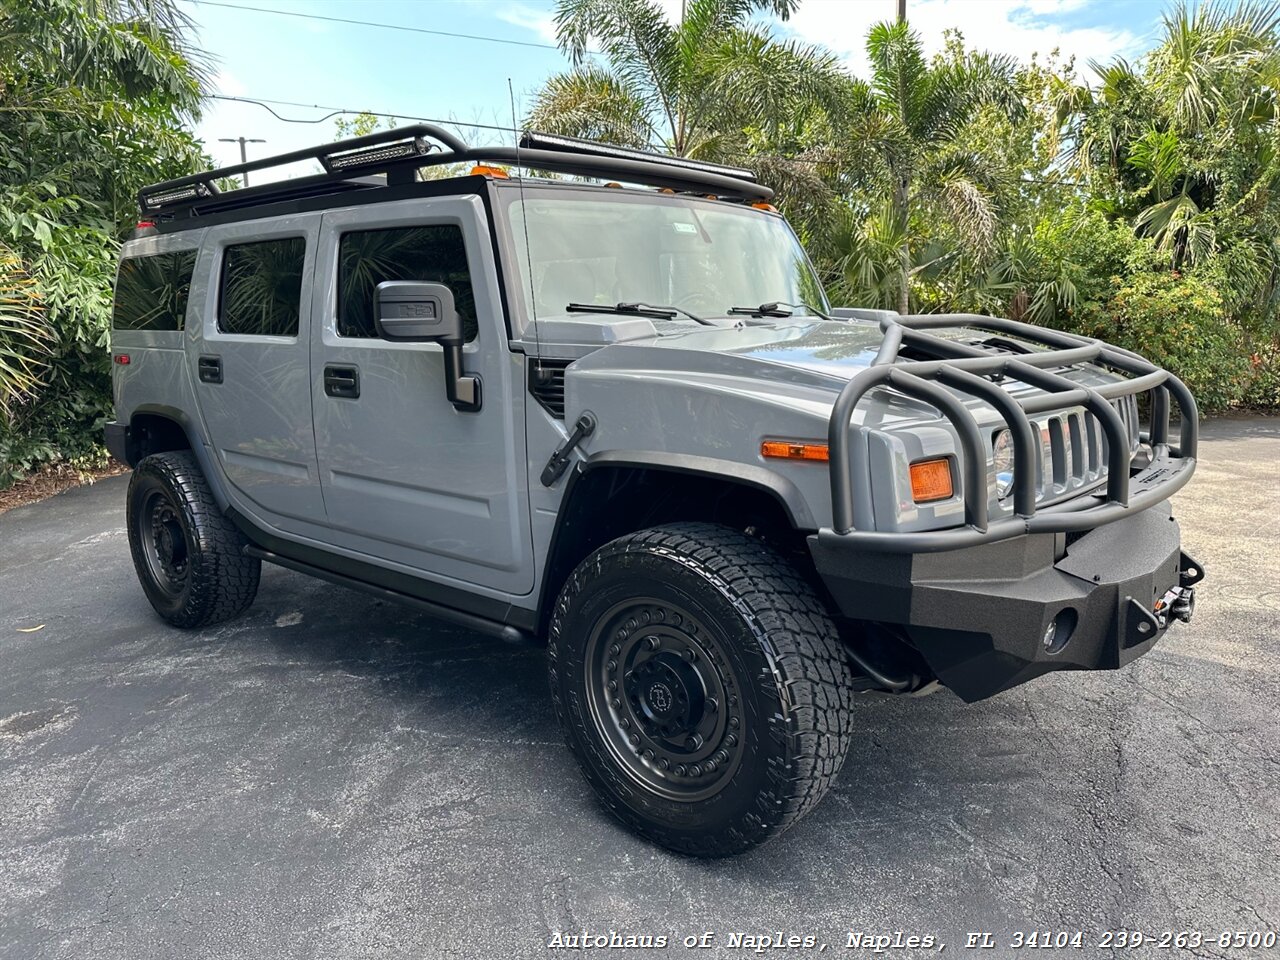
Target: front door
{"x":408,"y":480}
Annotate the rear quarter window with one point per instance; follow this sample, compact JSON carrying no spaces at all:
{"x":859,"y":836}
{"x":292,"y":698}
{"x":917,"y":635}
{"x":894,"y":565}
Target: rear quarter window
{"x":151,"y":291}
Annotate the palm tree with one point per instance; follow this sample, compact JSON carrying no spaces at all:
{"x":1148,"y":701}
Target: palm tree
{"x":712,"y":87}
{"x":1183,"y":141}
{"x":909,"y":133}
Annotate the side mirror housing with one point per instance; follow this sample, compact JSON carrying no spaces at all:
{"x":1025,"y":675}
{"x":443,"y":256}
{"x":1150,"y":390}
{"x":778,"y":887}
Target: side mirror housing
{"x":406,"y":311}
{"x":409,"y":311}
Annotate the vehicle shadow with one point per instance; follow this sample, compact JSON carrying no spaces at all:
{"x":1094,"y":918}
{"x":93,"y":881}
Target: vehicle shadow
{"x":911,"y":759}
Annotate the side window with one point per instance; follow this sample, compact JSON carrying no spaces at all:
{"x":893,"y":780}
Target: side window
{"x":430,"y":253}
{"x":151,"y":291}
{"x":262,"y":287}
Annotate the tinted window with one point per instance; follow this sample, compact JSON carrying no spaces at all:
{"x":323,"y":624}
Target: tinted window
{"x":151,"y":292}
{"x":368,"y":257}
{"x":262,"y":288}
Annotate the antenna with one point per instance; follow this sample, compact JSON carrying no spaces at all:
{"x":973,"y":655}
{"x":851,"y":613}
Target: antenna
{"x":524,"y":220}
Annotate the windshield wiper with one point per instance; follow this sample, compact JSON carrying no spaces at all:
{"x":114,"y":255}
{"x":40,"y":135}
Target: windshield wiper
{"x":652,"y":310}
{"x":775,"y":308}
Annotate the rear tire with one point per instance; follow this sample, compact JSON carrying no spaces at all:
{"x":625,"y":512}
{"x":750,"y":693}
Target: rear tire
{"x":701,"y":686}
{"x":189,"y":557}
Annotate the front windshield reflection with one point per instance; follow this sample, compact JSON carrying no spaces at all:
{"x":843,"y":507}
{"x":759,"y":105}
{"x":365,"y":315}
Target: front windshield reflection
{"x":702,"y":257}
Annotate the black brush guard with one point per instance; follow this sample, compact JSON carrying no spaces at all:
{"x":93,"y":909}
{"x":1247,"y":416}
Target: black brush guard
{"x":974,"y":371}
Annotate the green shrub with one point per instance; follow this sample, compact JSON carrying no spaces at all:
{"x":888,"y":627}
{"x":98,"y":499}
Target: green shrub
{"x":1178,"y":321}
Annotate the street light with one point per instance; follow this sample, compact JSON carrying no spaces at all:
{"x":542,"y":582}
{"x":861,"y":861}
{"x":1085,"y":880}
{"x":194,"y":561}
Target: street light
{"x":243,"y":158}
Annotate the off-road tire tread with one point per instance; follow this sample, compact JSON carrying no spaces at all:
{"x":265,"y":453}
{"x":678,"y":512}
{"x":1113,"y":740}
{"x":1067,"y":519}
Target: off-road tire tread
{"x":800,"y":643}
{"x":223,"y":579}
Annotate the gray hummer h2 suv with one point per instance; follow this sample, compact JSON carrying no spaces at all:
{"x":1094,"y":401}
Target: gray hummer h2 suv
{"x":624,"y":422}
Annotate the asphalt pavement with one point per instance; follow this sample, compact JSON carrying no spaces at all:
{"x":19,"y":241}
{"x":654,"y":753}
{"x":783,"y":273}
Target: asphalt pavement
{"x":332,"y":776}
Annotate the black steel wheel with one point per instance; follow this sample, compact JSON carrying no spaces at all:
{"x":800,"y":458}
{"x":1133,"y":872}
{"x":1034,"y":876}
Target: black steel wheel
{"x":189,"y":557}
{"x":701,"y":685}
{"x":665,"y":698}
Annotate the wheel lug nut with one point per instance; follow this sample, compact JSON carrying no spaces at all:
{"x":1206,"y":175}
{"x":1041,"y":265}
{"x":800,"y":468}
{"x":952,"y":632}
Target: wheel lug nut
{"x":664,"y":763}
{"x":624,"y":723}
{"x":615,"y":649}
{"x":613,"y":685}
{"x":654,"y":643}
{"x":680,"y":770}
{"x":709,"y":766}
{"x":611,"y":665}
{"x":644,"y":617}
{"x":648,"y":754}
{"x":731,"y":740}
{"x":691,"y":655}
{"x":694,"y":742}
{"x":615,"y":702}
{"x":634,"y":738}
{"x":733,"y":722}
{"x":712,"y":706}
{"x":720,"y":756}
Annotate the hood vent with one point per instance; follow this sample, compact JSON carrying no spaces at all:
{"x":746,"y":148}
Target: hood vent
{"x":546,"y":384}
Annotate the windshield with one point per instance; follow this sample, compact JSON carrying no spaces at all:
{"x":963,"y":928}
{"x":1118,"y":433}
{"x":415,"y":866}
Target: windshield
{"x":702,"y":257}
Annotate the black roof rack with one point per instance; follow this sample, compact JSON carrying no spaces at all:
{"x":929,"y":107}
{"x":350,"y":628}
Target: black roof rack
{"x":391,"y":157}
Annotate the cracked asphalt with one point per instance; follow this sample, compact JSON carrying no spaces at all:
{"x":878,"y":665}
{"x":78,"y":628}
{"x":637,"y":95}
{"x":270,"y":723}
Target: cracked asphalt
{"x":335,"y":777}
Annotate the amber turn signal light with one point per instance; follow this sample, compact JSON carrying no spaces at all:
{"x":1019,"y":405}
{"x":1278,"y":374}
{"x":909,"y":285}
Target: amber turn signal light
{"x":931,"y":480}
{"x":788,"y":450}
{"x":483,"y":171}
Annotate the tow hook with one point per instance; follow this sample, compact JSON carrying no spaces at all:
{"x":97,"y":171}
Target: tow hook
{"x":1178,"y":604}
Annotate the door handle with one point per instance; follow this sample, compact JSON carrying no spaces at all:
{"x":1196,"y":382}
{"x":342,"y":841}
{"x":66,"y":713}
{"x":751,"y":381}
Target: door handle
{"x":342,"y":382}
{"x":210,"y":369}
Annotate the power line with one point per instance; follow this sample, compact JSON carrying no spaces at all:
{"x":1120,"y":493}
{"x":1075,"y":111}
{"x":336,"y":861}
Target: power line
{"x":339,"y":111}
{"x":382,"y":26}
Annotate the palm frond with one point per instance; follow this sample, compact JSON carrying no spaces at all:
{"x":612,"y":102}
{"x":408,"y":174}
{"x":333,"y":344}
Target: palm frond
{"x":591,"y":102}
{"x":25,"y":339}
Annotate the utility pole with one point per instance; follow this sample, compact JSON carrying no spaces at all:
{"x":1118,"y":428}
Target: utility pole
{"x":902,"y":10}
{"x":243,"y":157}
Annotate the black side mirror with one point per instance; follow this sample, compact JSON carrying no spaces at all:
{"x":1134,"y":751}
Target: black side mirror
{"x":407,"y":311}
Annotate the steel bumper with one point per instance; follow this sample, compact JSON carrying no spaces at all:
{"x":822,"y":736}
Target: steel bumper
{"x":991,"y":616}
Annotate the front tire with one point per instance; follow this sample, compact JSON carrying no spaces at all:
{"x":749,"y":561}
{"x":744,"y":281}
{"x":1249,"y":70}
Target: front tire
{"x":189,"y":557}
{"x":701,"y":686}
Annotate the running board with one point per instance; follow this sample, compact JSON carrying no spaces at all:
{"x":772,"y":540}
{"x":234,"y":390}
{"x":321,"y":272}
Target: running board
{"x":493,"y":628}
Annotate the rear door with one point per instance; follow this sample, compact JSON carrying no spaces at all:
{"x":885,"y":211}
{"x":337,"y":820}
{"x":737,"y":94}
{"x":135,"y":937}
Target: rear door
{"x":408,"y":480}
{"x":251,"y":365}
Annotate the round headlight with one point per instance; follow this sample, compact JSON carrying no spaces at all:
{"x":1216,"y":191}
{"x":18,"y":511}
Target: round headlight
{"x":1002,"y":459}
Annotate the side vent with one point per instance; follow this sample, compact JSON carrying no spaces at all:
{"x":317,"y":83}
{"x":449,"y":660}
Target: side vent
{"x":546,"y":383}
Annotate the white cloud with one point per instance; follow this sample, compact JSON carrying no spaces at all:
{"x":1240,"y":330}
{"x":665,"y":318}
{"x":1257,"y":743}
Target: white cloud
{"x":536,"y":19}
{"x":1017,"y":27}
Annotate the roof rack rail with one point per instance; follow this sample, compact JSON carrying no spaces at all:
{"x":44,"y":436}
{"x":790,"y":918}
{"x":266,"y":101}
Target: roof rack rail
{"x":397,"y":154}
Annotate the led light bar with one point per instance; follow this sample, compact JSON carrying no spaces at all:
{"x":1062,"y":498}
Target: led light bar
{"x":533,"y":140}
{"x":376,"y":156}
{"x":165,"y":198}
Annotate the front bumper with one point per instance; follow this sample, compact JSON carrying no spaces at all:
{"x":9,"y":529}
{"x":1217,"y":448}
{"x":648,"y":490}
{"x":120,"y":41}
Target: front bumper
{"x":983,"y":617}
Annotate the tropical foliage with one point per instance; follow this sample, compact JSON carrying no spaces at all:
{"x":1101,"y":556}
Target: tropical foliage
{"x":93,"y":98}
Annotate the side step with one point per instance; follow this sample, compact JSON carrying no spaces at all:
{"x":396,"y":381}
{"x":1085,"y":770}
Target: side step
{"x":493,"y":628}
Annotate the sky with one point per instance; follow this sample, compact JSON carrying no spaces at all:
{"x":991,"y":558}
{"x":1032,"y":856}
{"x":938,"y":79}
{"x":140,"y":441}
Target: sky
{"x":296,"y":56}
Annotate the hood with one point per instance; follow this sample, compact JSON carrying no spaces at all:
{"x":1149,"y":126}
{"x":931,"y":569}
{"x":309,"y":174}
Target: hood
{"x":792,"y":360}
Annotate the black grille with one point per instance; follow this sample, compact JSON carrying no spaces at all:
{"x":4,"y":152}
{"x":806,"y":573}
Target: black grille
{"x":546,"y":383}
